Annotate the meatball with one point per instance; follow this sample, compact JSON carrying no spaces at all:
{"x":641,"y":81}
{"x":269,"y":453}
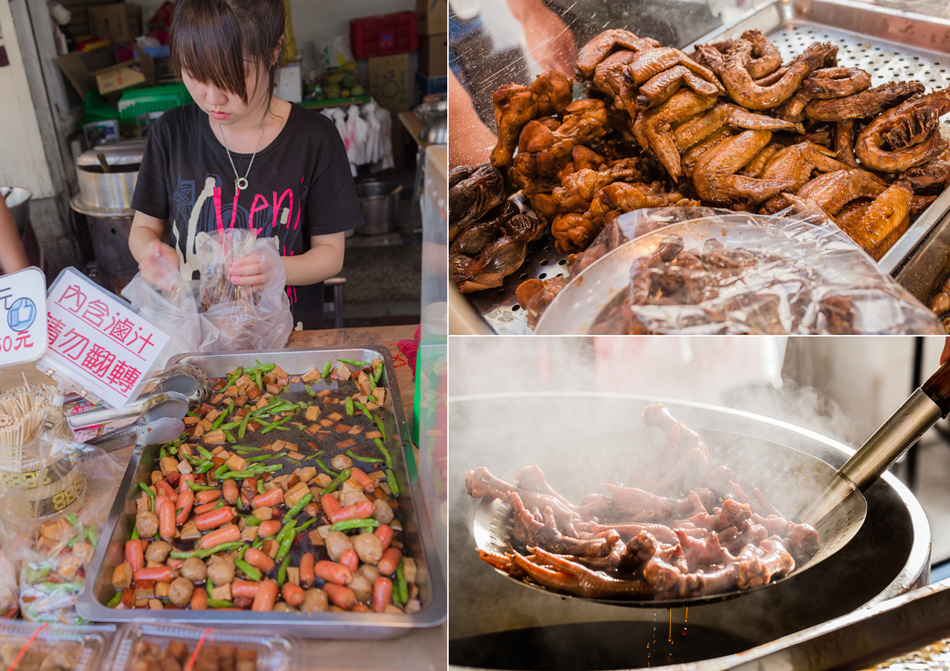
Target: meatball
{"x":315,"y":600}
{"x":341,"y":461}
{"x":350,"y":497}
{"x":383,"y":512}
{"x":368,"y":547}
{"x":337,"y":543}
{"x":283,"y":607}
{"x":194,"y":569}
{"x":157,"y":551}
{"x":221,"y":572}
{"x":369,"y":572}
{"x":362,"y":588}
{"x":146,"y":524}
{"x":179,"y":592}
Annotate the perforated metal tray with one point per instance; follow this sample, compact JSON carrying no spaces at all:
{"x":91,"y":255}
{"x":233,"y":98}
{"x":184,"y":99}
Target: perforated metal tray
{"x":890,"y":44}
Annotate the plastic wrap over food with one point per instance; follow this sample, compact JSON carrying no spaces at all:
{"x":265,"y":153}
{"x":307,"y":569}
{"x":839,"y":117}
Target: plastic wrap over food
{"x":791,"y":273}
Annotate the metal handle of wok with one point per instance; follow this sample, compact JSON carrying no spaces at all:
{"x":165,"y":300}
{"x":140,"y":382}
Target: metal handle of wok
{"x":916,"y":415}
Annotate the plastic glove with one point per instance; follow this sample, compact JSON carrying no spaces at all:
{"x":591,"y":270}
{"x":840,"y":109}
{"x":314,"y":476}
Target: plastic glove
{"x":254,"y":270}
{"x":159,"y":267}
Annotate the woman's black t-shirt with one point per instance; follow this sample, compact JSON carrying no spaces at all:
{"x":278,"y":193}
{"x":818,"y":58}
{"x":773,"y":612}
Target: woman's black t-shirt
{"x":299,"y":185}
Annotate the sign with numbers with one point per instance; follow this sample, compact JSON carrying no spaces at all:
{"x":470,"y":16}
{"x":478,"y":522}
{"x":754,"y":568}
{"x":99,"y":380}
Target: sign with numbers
{"x":96,"y":341}
{"x":22,"y":316}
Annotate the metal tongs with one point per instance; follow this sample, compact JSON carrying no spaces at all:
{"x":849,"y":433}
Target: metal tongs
{"x":929,"y":403}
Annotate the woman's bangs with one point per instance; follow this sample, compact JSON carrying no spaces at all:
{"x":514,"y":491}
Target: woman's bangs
{"x":211,"y":53}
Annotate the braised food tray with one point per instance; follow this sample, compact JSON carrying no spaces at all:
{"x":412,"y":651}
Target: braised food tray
{"x":418,"y":530}
{"x":890,"y":44}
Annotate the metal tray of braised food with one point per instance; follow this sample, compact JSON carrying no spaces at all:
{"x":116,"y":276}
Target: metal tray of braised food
{"x":315,"y":433}
{"x":891,"y":45}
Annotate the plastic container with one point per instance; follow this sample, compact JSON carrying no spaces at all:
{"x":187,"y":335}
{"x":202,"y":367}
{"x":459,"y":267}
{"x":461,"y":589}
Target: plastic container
{"x":90,"y":643}
{"x":383,"y":35}
{"x":274,"y":653}
{"x":154,"y":99}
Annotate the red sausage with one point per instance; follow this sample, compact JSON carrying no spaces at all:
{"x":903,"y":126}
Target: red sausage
{"x":230,"y":491}
{"x":185,"y":501}
{"x":307,"y":575}
{"x":199,"y":600}
{"x":268,"y":528}
{"x":266,"y":597}
{"x":385,"y":534}
{"x":228,"y":534}
{"x":157,"y":573}
{"x":184,"y":480}
{"x":361,"y":510}
{"x":166,"y":519}
{"x":268,"y":499}
{"x":244,"y":588}
{"x":332,"y":572}
{"x":389,"y":562}
{"x":364,"y":480}
{"x":350,"y":560}
{"x":215,"y":518}
{"x":167,"y":490}
{"x":382,"y":594}
{"x":174,"y":564}
{"x":293,"y":594}
{"x":135,"y":554}
{"x":340,"y":596}
{"x":208,"y":495}
{"x":205,"y":508}
{"x":258,"y":559}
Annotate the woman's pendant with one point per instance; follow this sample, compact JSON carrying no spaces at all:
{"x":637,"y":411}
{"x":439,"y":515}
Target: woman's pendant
{"x":240,"y":183}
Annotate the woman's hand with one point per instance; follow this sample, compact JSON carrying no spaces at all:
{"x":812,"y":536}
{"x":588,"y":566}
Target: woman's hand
{"x":250,"y":272}
{"x":159,"y":266}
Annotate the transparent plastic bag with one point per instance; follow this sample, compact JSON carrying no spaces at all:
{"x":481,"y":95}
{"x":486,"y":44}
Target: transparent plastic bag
{"x":789,"y":273}
{"x":213,"y":315}
{"x":53,"y":547}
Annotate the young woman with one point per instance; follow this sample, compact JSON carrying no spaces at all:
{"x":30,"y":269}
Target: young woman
{"x":241,"y":157}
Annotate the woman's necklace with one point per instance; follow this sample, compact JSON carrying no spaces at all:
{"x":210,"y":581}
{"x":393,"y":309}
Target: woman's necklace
{"x":241,"y":183}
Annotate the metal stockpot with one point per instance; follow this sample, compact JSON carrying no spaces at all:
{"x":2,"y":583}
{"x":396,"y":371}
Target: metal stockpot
{"x":107,"y":175}
{"x":380,"y":204}
{"x":889,"y":555}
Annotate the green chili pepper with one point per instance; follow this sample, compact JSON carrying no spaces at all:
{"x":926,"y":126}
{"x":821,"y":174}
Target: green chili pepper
{"x":313,"y":456}
{"x":339,"y":480}
{"x":300,"y":505}
{"x":242,"y":426}
{"x":401,"y":585}
{"x":326,"y":368}
{"x":306,"y":525}
{"x":222,"y":469}
{"x":354,"y":524}
{"x":230,"y":425}
{"x":209,"y":587}
{"x":377,"y":373}
{"x":205,"y":467}
{"x":114,"y":601}
{"x":386,"y":455}
{"x":135,"y":534}
{"x":221,"y":503}
{"x":288,"y":528}
{"x":257,"y":379}
{"x":370,"y":397}
{"x":234,"y":376}
{"x":193,"y":413}
{"x":391,"y":479}
{"x":364,"y":409}
{"x":204,"y":453}
{"x":162,"y":453}
{"x":200,"y":488}
{"x":243,"y":475}
{"x":285,"y":547}
{"x":151,"y":495}
{"x":349,"y":405}
{"x":258,"y":542}
{"x":379,"y":424}
{"x":262,"y":457}
{"x":246,"y":448}
{"x":354,"y":455}
{"x":351,"y":362}
{"x":72,"y":519}
{"x":309,"y":390}
{"x":292,"y":460}
{"x":206,"y":552}
{"x":219,"y":419}
{"x":228,"y":436}
{"x":324,"y":466}
{"x":217,"y":603}
{"x":248,"y":570}
{"x":252,"y":522}
{"x":282,"y":571}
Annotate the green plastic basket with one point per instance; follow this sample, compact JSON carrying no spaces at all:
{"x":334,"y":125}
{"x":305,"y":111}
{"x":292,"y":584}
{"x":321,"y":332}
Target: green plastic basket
{"x":135,"y":102}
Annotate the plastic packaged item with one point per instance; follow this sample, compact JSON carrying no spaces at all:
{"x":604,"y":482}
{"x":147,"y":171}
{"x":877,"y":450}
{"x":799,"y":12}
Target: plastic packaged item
{"x":136,"y":643}
{"x":214,"y":315}
{"x":791,"y":273}
{"x":44,"y":646}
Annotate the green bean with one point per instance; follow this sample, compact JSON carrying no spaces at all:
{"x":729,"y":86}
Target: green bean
{"x":205,"y":467}
{"x":204,"y":453}
{"x":151,"y":495}
{"x":382,"y":448}
{"x":201,"y":553}
{"x":220,"y":504}
{"x":258,"y":542}
{"x":194,"y":461}
{"x":200,"y":488}
{"x":220,"y":418}
{"x":242,"y":426}
{"x":314,"y":455}
{"x":248,"y":570}
{"x":252,"y":522}
{"x":306,"y":525}
{"x":377,"y":373}
{"x":351,"y":362}
{"x":364,"y":409}
{"x":235,"y":376}
{"x":379,"y":424}
{"x":193,"y":413}
{"x":228,"y":436}
{"x":370,"y":460}
{"x":243,"y":475}
{"x":209,"y":587}
{"x":309,"y":390}
{"x":247,"y":447}
{"x":260,"y":485}
{"x":324,"y":466}
{"x":285,"y":546}
{"x":326,"y":368}
{"x":162,"y":453}
{"x":263,"y":457}
{"x":300,"y":505}
{"x":391,"y":479}
{"x":217,"y":603}
{"x":135,"y":534}
{"x":401,"y":584}
{"x":269,"y":427}
{"x":339,"y":480}
{"x":282,"y":571}
{"x":114,"y":601}
{"x":349,"y":405}
{"x":241,"y":552}
{"x":354,"y":524}
{"x":230,"y":425}
{"x":222,"y":469}
{"x":281,"y":428}
{"x":287,"y":529}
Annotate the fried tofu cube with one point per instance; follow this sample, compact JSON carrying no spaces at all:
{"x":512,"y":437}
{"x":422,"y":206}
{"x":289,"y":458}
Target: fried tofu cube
{"x":221,"y":592}
{"x":312,"y":429}
{"x":249,"y":533}
{"x":380,"y":394}
{"x":297,"y":492}
{"x":213,"y":437}
{"x":306,"y":474}
{"x":168,"y":465}
{"x":335,"y":416}
{"x":313,"y":413}
{"x":236,"y":463}
{"x":312,"y":376}
{"x":295,"y":455}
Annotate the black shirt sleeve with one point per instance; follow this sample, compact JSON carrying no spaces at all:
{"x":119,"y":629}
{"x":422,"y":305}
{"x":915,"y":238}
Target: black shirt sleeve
{"x":332,"y":203}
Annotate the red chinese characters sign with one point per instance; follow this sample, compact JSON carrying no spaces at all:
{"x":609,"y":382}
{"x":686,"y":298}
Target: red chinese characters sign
{"x":96,"y":340}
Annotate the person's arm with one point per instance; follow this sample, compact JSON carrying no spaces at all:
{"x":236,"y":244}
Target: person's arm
{"x":549,"y":39}
{"x":472,"y":142}
{"x":323,"y":261}
{"x":158,"y":262}
{"x":12,"y":254}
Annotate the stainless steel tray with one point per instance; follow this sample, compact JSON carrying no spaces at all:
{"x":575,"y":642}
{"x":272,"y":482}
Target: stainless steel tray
{"x":889,"y":43}
{"x":418,"y":530}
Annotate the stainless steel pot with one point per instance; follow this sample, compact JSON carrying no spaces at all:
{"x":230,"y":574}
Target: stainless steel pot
{"x":380,"y":204}
{"x":18,"y":200}
{"x":494,"y":613}
{"x":107,"y":175}
{"x":110,"y":241}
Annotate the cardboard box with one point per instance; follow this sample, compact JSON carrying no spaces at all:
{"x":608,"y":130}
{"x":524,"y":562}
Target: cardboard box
{"x":434,"y":55}
{"x":389,"y":82}
{"x":77,"y":69}
{"x":119,"y":23}
{"x":432,"y":17}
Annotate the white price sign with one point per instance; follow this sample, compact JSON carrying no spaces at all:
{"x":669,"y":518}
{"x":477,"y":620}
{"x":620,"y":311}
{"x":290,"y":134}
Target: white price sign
{"x":23,"y":313}
{"x":96,"y":341}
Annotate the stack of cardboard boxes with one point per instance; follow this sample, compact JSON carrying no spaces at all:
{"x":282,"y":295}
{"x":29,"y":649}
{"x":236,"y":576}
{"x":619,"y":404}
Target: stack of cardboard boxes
{"x":432,"y":20}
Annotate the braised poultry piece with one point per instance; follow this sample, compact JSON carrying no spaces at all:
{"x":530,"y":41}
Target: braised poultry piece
{"x":681,"y":527}
{"x":729,"y":125}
